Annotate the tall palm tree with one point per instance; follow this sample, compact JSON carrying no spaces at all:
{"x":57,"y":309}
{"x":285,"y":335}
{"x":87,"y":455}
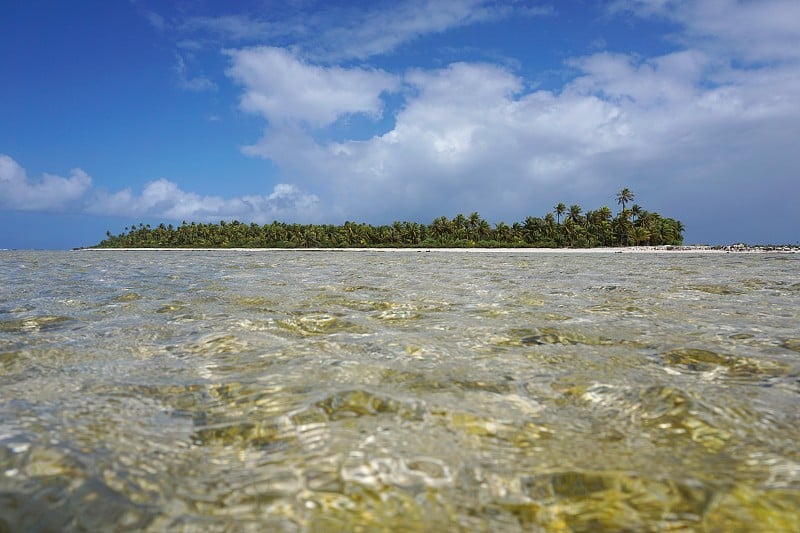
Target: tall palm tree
{"x":440,"y":227}
{"x":574,"y":213}
{"x":624,"y":196}
{"x":591,"y":228}
{"x":474,"y":222}
{"x":484,"y":229}
{"x":636,"y":212}
{"x":458,"y":227}
{"x":559,"y":210}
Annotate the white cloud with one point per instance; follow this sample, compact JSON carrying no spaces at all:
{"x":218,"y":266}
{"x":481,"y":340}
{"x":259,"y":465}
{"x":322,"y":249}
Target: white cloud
{"x":466,"y":140}
{"x":329,"y":31}
{"x":369,"y":32}
{"x":281,"y":87}
{"x":50,"y":193}
{"x":690,"y":133}
{"x":762,"y":30}
{"x":161,"y":199}
{"x":653,"y":82}
{"x":165,"y":199}
{"x":705,"y":133}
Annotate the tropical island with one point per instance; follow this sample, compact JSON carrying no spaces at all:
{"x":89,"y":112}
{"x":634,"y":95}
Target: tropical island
{"x":564,"y":227}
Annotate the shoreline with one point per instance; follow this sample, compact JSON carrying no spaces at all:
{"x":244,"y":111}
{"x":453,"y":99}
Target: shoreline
{"x":739,"y":249}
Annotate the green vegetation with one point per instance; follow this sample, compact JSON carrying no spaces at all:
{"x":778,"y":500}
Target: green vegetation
{"x":579,"y":229}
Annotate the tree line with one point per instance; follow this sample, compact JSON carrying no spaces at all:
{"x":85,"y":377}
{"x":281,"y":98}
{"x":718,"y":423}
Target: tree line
{"x":563,"y":227}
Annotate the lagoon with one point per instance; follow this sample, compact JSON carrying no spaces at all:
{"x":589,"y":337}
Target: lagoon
{"x":316,"y":391}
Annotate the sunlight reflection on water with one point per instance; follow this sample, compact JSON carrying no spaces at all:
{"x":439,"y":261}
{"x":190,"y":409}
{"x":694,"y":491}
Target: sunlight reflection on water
{"x":211,"y":391}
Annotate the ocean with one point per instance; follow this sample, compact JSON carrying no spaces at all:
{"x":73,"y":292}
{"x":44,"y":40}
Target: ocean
{"x":399,"y":391}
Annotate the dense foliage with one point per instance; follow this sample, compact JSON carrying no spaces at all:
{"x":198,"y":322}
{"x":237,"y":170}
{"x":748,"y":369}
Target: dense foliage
{"x":578,"y":229}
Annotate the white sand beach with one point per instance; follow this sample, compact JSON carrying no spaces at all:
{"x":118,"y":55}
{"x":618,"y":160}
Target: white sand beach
{"x":616,"y":250}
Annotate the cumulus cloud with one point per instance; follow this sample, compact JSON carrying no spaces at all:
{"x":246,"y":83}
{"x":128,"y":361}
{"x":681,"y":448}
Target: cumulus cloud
{"x":49,"y":193}
{"x":281,"y":87}
{"x":693,"y":132}
{"x":467,"y":140}
{"x":159,"y":199}
{"x":165,"y":199}
{"x":702,"y":132}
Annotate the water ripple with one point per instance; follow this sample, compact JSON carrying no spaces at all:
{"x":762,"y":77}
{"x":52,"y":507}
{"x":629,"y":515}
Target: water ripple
{"x":290,"y":391}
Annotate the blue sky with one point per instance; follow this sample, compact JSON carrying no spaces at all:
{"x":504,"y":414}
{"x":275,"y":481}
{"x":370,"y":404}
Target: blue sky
{"x":114,"y":112}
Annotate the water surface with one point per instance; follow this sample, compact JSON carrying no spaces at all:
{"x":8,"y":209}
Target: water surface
{"x":312,"y":391}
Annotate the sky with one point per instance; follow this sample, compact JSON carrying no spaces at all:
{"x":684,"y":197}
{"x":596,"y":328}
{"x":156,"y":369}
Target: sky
{"x":119,"y":112}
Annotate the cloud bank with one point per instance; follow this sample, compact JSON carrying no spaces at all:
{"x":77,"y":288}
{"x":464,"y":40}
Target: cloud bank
{"x":161,"y":199}
{"x":468,"y":138}
{"x":50,"y":193}
{"x":696,"y":132}
{"x":703,"y":132}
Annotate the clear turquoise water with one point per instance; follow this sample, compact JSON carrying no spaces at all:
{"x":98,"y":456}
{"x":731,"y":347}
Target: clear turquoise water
{"x":312,"y":391}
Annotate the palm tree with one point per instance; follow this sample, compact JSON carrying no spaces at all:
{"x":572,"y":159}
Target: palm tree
{"x":440,"y":227}
{"x":574,"y":213}
{"x":533,"y":228}
{"x":484,"y":229}
{"x":636,"y":212}
{"x":474,"y":222}
{"x":559,"y":210}
{"x":502,"y":232}
{"x":459,"y":227}
{"x":548,"y":223}
{"x":641,"y":236}
{"x":624,"y":196}
{"x":517,"y":233}
{"x":591,"y":228}
{"x":623,"y":227}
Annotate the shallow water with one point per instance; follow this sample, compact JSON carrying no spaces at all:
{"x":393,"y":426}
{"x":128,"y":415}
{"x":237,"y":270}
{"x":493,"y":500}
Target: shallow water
{"x":310,"y":391}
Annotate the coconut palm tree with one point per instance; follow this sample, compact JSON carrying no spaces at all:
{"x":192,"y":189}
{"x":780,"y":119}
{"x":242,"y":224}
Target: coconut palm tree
{"x":459,"y":225}
{"x":623,"y":228}
{"x":574,"y":213}
{"x":592,"y":228}
{"x":474,"y":222}
{"x":484,"y":229}
{"x":549,"y":223}
{"x":636,"y":212}
{"x":559,"y":210}
{"x":641,"y":235}
{"x":624,"y":196}
{"x":502,"y":232}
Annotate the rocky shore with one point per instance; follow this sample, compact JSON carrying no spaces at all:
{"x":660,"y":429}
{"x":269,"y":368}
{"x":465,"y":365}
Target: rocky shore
{"x":741,"y":247}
